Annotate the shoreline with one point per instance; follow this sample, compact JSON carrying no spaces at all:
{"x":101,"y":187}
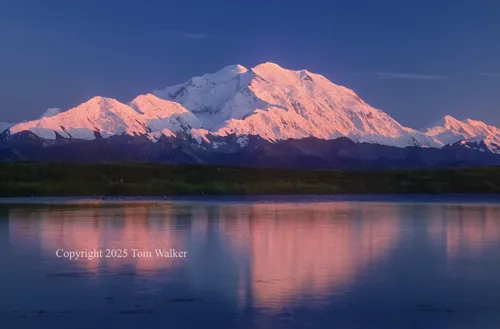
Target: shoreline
{"x":174,"y":181}
{"x":469,"y":199}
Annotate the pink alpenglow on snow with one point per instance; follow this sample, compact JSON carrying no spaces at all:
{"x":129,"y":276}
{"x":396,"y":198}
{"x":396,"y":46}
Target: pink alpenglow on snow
{"x":108,"y":117}
{"x":449,"y":130}
{"x":276,"y":103}
{"x":267,"y":100}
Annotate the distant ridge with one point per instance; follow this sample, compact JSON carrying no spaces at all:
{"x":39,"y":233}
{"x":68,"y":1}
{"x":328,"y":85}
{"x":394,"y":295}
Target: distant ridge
{"x":470,"y":133}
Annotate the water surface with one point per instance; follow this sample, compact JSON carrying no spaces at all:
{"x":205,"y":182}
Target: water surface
{"x":293,"y":262}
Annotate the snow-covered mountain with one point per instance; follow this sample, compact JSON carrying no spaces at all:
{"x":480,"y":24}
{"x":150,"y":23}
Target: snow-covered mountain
{"x":107,"y":117}
{"x":163,"y":117}
{"x":276,"y":104}
{"x":266,"y":116}
{"x":468,"y":133}
{"x":267,"y":100}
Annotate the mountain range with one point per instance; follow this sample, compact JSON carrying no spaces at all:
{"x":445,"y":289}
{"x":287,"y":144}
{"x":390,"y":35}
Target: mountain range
{"x":248,"y":116}
{"x":470,"y":133}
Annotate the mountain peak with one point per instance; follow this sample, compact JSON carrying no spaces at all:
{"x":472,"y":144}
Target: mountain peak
{"x":237,"y":68}
{"x":226,"y":73}
{"x":145,"y":98}
{"x":269,"y":65}
{"x":269,"y":68}
{"x":445,"y":122}
{"x":273,"y":67}
{"x":150,"y":104}
{"x":449,"y":118}
{"x":98,"y":105}
{"x":100,"y":99}
{"x":450,"y":122}
{"x":450,"y":130}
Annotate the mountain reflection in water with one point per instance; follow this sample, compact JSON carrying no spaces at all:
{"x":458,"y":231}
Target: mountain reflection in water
{"x":265,"y":257}
{"x":277,"y":252}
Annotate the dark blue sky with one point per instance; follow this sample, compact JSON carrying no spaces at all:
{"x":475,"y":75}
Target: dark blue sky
{"x":416,"y":60}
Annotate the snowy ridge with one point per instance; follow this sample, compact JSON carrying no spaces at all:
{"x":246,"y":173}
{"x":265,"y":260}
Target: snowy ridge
{"x":469,"y":132}
{"x":162,"y":117}
{"x":99,"y":115}
{"x":105,"y":117}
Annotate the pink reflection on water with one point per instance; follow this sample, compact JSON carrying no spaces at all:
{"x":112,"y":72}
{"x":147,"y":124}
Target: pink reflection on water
{"x":128,"y":226}
{"x":304,"y":251}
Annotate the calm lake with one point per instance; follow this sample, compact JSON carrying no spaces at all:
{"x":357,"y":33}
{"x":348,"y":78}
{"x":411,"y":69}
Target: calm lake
{"x":268,"y":262}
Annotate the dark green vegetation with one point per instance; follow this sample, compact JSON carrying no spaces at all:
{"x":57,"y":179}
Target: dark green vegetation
{"x":141,"y":179}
